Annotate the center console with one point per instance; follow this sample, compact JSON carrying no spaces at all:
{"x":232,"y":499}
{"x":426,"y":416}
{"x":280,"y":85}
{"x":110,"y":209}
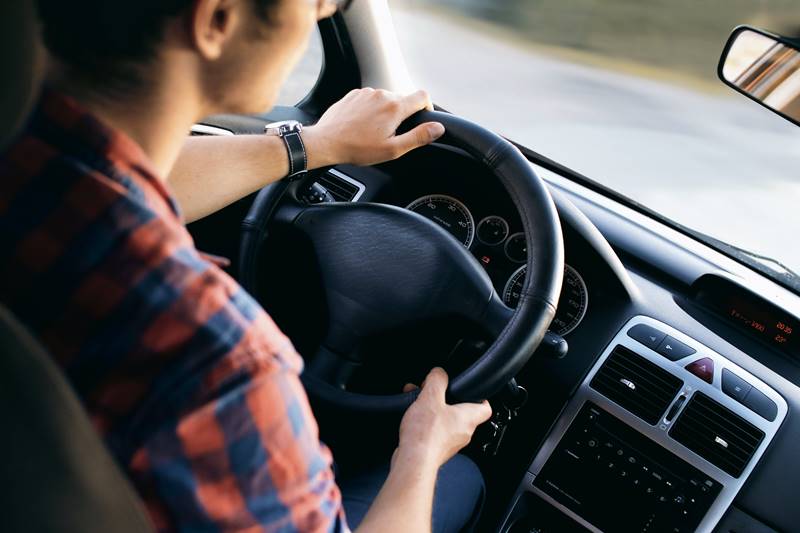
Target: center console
{"x":661,"y":436}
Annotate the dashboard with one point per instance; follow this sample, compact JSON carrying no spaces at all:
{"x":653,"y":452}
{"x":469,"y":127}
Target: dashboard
{"x":614,"y":442}
{"x":661,"y":431}
{"x":478,"y":214}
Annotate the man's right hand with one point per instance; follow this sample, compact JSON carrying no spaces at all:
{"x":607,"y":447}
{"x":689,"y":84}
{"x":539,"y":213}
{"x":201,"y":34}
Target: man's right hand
{"x":432,"y":431}
{"x":430,"y":434}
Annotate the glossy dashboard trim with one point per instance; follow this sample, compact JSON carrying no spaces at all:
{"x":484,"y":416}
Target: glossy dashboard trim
{"x":352,"y":181}
{"x":593,"y":204}
{"x":206,"y":129}
{"x":659,"y":433}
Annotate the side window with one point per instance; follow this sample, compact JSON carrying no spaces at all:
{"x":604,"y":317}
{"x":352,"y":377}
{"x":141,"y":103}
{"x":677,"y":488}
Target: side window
{"x":305,"y":74}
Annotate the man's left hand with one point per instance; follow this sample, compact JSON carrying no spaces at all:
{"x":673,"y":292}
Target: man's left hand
{"x":360,"y":129}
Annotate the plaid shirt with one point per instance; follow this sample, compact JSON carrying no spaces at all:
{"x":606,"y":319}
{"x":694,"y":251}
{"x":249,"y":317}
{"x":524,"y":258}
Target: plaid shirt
{"x":192,"y":386}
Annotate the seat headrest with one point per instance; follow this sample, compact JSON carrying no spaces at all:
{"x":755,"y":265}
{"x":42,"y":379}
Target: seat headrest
{"x":21,"y":64}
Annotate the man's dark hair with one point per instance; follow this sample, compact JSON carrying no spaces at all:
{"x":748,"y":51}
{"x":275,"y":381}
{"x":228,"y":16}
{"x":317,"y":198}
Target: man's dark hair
{"x":105,"y":41}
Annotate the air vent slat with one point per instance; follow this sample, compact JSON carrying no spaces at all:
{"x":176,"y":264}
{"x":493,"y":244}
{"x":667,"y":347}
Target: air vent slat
{"x":620,"y":378}
{"x":615,"y":383}
{"x":340,"y":189}
{"x":708,"y":436}
{"x":711,"y":424}
{"x":708,"y":415}
{"x":642,"y":366}
{"x":631,"y":365}
{"x":717,"y":434}
{"x":638,"y":385}
{"x":639,"y":373}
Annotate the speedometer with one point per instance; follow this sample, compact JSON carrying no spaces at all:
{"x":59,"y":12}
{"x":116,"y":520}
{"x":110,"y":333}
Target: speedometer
{"x":449,"y":213}
{"x":572,"y":303}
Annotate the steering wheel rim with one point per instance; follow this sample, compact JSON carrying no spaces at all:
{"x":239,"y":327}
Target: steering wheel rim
{"x":518,"y":332}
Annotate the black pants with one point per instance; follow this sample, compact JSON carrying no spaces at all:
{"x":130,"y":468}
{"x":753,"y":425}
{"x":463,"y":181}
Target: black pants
{"x":457,"y":502}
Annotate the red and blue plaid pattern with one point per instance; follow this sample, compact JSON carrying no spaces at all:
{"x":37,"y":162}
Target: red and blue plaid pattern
{"x":193,"y":387}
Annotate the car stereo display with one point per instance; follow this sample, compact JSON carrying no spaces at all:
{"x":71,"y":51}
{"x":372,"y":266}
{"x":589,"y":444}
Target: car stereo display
{"x":752,"y":315}
{"x":777,"y":330}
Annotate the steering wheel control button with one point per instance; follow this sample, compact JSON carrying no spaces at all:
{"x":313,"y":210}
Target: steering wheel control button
{"x":492,"y":230}
{"x":734,"y":386}
{"x":647,"y":335}
{"x":516,"y":248}
{"x":673,"y":349}
{"x":703,"y":369}
{"x":759,"y":403}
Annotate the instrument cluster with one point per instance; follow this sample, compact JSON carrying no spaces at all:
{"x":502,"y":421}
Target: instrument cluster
{"x":503,"y":255}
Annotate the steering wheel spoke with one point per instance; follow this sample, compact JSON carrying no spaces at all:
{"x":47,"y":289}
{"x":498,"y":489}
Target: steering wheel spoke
{"x":287,"y":210}
{"x":331,"y":367}
{"x":496,"y":316}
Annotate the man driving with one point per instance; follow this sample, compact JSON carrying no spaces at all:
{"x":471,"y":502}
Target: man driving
{"x":192,"y":386}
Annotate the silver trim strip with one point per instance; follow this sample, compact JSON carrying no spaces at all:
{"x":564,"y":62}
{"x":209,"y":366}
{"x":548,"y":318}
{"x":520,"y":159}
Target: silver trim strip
{"x":344,"y":177}
{"x":546,"y":497}
{"x":205,"y":129}
{"x":659,"y":433}
{"x":757,"y":282}
{"x":528,"y":482}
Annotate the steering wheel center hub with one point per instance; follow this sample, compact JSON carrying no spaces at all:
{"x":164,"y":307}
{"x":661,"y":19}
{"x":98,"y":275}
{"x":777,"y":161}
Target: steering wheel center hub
{"x":382,"y":266}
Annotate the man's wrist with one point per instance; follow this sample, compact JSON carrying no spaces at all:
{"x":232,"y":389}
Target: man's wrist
{"x":319,"y":149}
{"x":412,"y":470}
{"x":416,"y":458}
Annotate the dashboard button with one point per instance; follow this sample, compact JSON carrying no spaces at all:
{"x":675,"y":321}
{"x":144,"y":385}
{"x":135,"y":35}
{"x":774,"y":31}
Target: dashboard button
{"x":703,"y":369}
{"x":674,"y":349}
{"x":647,"y":335}
{"x":734,"y":386}
{"x":759,"y":402}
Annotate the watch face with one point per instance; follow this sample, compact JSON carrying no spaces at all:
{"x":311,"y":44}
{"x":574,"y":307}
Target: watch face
{"x":283,"y":127}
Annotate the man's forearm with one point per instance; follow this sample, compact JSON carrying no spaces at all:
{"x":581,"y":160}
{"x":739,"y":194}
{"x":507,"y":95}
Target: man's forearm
{"x":405,"y":502}
{"x":360,"y":129}
{"x":212,"y":172}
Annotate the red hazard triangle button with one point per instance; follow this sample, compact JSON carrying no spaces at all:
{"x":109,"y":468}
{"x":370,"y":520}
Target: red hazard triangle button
{"x":703,"y":369}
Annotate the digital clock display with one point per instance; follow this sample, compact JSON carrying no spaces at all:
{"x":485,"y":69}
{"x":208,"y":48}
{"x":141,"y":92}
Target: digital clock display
{"x":781,"y":332}
{"x":753,"y":315}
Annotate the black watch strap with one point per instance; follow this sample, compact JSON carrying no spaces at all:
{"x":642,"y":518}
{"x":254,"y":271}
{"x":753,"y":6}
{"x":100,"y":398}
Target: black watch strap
{"x":298,"y":160}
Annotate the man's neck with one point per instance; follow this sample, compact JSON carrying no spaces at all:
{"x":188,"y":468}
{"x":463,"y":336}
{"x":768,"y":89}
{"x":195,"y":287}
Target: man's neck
{"x":156,"y":119}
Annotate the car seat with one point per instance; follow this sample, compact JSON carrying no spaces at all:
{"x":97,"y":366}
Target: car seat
{"x":56,"y":473}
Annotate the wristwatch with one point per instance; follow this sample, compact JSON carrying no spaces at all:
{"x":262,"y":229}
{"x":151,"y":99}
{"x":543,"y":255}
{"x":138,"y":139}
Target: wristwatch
{"x":289,"y":131}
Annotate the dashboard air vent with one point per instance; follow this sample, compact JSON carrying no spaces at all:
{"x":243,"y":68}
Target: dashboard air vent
{"x":643,"y":388}
{"x":717,"y":434}
{"x":341,"y":187}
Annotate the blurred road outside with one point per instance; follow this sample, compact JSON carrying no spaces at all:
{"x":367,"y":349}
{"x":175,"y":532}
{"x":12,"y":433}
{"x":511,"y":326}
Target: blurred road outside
{"x":644,"y":116}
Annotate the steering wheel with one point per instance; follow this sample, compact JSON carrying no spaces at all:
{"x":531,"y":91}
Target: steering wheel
{"x":383,"y":267}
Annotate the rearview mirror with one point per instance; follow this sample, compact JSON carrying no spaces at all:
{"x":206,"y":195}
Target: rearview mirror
{"x":764,"y":67}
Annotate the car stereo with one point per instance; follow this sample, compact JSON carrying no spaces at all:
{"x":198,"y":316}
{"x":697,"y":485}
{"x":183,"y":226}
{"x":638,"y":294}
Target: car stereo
{"x":660,"y":437}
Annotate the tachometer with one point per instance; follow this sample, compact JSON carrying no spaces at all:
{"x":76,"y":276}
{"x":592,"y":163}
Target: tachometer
{"x":449,"y":213}
{"x":572,"y":303}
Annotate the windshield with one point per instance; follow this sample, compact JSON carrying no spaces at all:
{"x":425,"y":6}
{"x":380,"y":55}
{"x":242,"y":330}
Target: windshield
{"x":624,"y":92}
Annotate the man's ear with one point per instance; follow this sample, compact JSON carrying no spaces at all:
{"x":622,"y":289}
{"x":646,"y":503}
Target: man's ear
{"x":212,"y":25}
